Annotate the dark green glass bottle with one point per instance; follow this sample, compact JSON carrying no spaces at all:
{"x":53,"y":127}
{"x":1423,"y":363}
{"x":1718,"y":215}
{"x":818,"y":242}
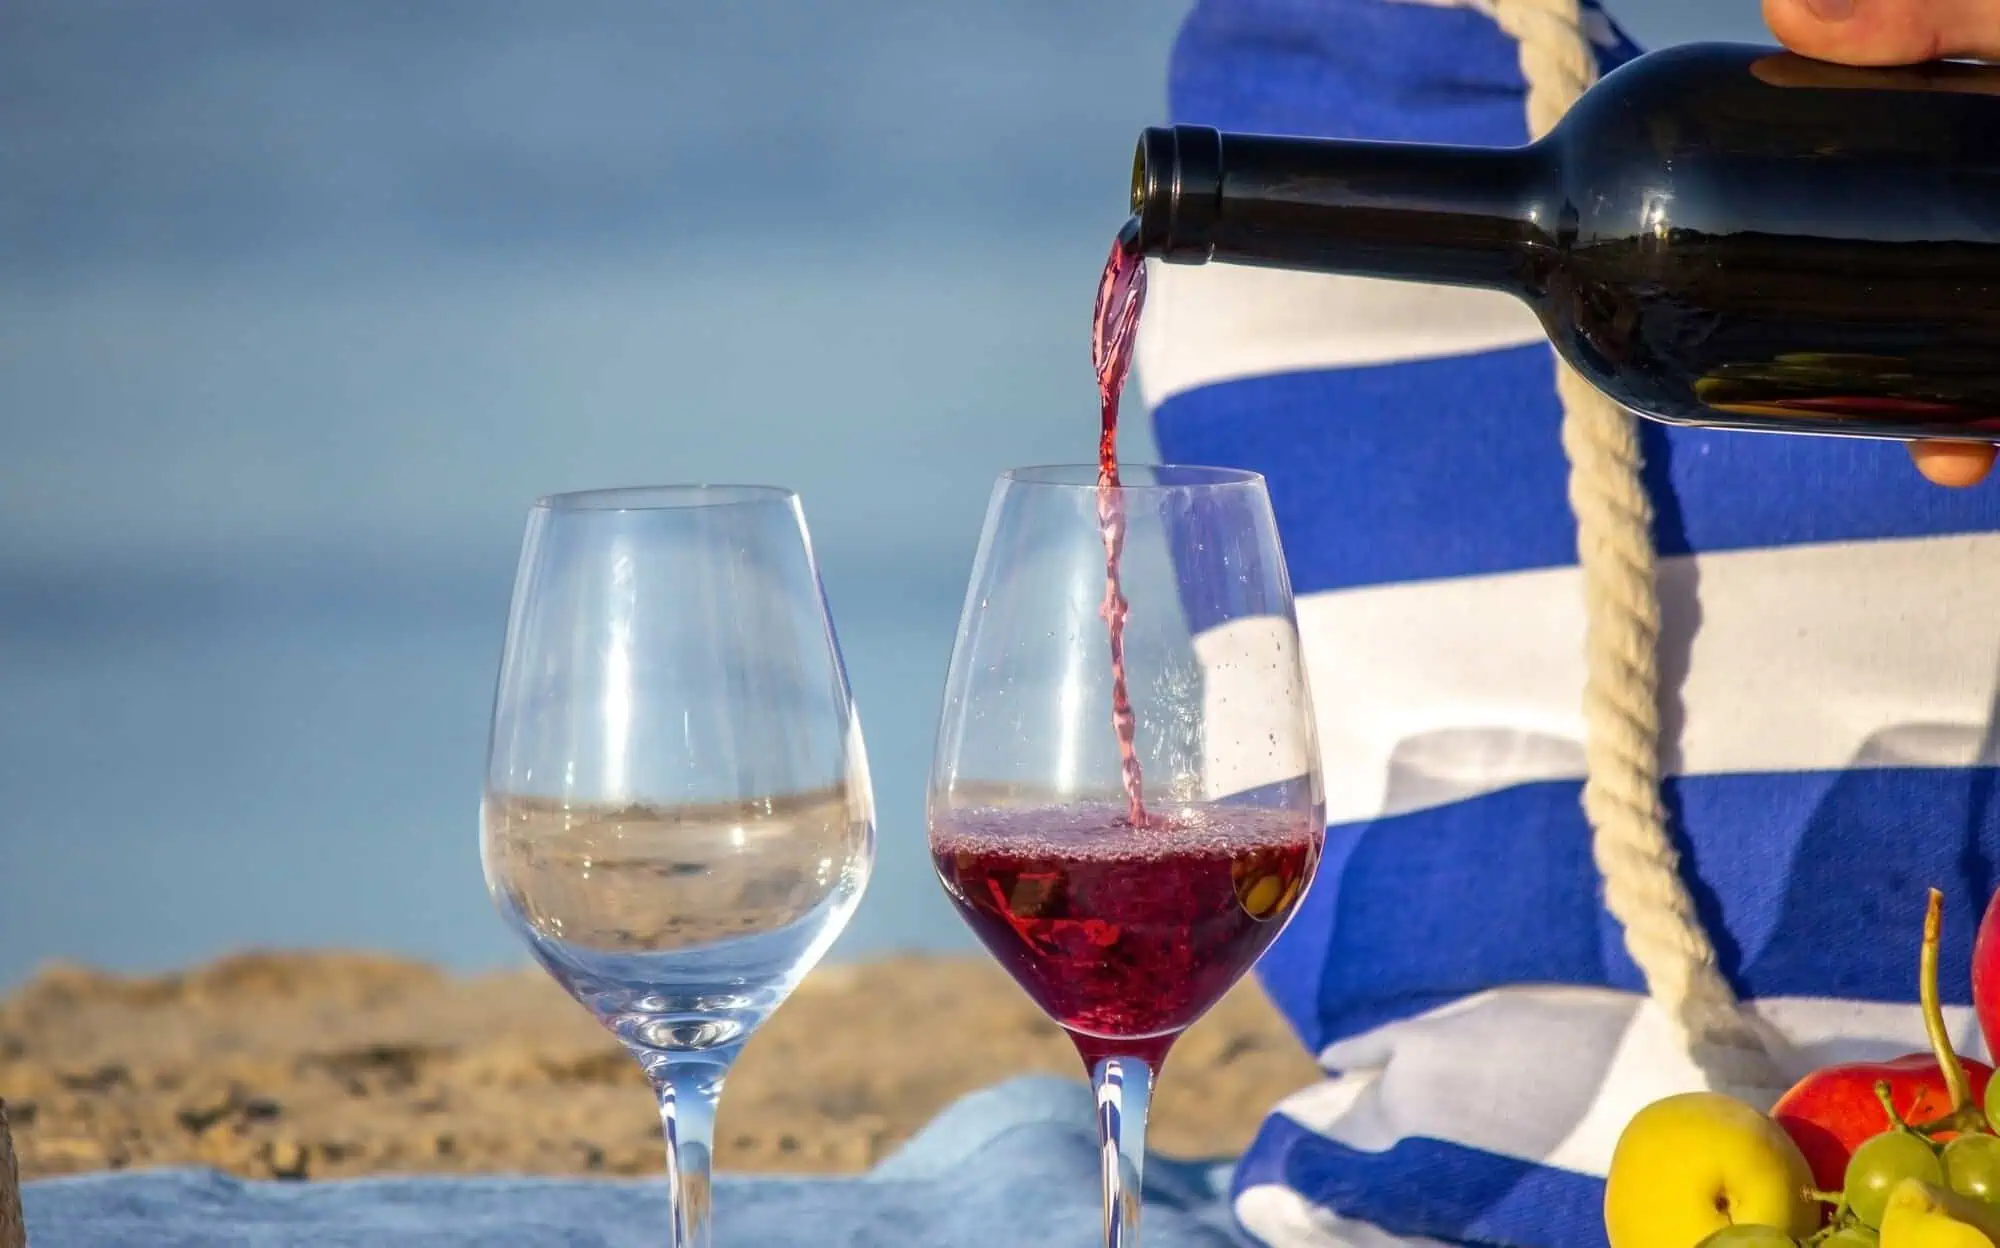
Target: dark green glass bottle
{"x":1715,"y":235}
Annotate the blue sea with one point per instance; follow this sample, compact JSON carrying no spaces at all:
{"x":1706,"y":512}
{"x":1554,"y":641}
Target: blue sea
{"x":301,"y":305}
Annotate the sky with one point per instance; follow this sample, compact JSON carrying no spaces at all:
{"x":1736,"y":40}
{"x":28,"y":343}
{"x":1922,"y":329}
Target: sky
{"x":300,"y":306}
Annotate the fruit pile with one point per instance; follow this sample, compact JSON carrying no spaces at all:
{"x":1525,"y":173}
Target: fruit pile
{"x":1897,"y":1154}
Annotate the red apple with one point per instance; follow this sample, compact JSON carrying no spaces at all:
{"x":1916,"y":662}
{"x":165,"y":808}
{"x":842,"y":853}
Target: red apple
{"x":1830,"y":1111}
{"x":1986,"y":974}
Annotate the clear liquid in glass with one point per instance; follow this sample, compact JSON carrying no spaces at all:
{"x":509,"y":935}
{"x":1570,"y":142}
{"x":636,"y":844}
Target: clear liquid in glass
{"x":680,"y":927}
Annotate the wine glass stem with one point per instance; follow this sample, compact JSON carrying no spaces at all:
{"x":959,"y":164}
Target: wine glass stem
{"x":688,"y":1088}
{"x":1124,"y":1087}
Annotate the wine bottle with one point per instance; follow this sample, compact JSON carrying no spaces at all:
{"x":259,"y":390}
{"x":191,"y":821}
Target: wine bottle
{"x":1716,"y":234}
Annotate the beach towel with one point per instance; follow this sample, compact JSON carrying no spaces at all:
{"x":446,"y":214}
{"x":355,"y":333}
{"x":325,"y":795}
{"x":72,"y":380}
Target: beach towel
{"x":1831,"y":625}
{"x":1014,"y":1166}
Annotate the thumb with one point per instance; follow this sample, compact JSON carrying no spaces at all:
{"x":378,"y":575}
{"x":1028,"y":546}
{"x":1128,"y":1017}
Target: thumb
{"x":1886,"y":32}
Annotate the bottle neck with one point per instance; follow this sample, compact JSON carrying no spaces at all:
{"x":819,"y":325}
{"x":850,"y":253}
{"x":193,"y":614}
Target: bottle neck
{"x":1461,"y":216}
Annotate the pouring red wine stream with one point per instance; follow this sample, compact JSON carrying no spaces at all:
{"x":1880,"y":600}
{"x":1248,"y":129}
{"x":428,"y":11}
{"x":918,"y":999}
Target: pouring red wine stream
{"x":1121,"y":296}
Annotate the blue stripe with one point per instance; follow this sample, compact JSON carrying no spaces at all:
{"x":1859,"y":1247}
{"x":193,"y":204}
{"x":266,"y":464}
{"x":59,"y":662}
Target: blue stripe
{"x":1427,"y":1187}
{"x":1810,"y":884}
{"x":1454,"y":467}
{"x":1397,"y":473}
{"x":1364,"y":69}
{"x":1351,"y":68}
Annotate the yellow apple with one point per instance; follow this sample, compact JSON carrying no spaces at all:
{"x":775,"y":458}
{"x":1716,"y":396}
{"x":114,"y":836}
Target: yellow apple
{"x":1921,"y":1216}
{"x":1689,"y":1165}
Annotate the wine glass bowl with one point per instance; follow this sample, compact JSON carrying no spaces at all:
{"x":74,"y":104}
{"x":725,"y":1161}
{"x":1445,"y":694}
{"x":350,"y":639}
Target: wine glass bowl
{"x":1126,"y":885}
{"x":1126,"y":937}
{"x":680,"y":928}
{"x":678,"y":818}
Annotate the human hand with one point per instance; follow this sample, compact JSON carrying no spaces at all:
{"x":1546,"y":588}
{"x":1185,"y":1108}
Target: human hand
{"x":1898,"y":32}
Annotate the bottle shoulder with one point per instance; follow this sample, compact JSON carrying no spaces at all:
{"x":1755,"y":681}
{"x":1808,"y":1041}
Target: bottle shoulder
{"x":1715,"y":140}
{"x":1750,"y":240}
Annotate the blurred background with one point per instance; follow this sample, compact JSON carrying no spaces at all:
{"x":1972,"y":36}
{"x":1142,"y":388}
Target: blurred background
{"x":300,"y":306}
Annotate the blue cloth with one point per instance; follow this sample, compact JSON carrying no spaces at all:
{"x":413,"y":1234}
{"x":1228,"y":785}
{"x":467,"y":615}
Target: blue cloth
{"x":1015,"y":1164}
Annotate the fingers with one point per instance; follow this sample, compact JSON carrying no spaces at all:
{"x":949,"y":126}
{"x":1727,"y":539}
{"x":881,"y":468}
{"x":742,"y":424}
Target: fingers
{"x":1886,"y":32}
{"x":1953,"y":463}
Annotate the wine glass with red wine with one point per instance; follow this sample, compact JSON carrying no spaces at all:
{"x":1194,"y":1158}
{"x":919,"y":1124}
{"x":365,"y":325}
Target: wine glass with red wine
{"x":1125,"y":802}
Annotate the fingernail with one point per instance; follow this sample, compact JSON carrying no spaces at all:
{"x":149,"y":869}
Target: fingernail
{"x":1831,"y":10}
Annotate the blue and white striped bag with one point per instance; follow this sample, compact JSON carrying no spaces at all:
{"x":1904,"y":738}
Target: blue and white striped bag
{"x":1831,"y":637}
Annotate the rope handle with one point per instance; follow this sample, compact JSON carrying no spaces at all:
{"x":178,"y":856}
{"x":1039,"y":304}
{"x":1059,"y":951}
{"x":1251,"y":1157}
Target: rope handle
{"x":1640,"y":869}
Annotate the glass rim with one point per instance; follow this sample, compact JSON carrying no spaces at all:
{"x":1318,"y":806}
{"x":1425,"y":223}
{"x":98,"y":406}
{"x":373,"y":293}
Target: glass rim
{"x":1084,"y":477}
{"x":665,"y":497}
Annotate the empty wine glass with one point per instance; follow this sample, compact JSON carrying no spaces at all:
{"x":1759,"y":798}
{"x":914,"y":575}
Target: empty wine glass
{"x":1127,"y":848}
{"x":677,"y":813}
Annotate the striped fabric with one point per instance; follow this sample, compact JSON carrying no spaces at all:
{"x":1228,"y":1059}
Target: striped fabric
{"x":1832,"y":633}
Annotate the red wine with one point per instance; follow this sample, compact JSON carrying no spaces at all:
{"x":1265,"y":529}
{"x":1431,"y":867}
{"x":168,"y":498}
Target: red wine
{"x":1121,"y":295}
{"x":1715,"y":235}
{"x":1120,"y":933}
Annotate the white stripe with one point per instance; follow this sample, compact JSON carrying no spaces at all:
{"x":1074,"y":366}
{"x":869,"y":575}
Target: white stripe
{"x":1255,"y":687}
{"x":1807,"y":658}
{"x":1218,"y":322}
{"x":1479,"y":1072}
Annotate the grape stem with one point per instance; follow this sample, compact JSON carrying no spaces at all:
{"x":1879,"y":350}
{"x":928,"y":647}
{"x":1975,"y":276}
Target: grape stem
{"x":1832,"y":1228}
{"x":1840,"y":1221}
{"x":1888,"y":1100}
{"x":1964,"y":1115}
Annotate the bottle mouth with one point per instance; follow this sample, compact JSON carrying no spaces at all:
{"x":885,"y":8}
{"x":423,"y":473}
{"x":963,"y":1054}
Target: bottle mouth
{"x":1176,"y":192}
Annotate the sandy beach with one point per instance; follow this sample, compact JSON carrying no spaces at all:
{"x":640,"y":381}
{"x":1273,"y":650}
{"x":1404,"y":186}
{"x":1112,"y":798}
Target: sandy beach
{"x":321,"y":1065}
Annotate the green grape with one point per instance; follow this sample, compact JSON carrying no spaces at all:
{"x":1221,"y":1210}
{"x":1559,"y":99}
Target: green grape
{"x":1744,"y":1235}
{"x":1851,"y":1237}
{"x":1880,"y":1163}
{"x":1972,"y":1167}
{"x":1992,"y":1101}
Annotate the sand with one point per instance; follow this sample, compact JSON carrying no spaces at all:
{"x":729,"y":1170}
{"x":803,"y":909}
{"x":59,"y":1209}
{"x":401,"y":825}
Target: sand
{"x":330,"y":1065}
